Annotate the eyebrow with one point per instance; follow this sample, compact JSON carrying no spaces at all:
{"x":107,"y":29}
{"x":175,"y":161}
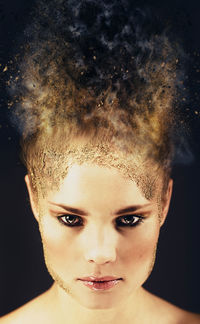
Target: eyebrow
{"x":82,"y":212}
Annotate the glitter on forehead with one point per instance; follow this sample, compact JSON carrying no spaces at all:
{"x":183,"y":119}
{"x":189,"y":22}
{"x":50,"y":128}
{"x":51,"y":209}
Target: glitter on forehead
{"x":132,"y":167}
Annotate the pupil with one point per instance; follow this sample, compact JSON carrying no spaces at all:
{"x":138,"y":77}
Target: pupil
{"x":128,"y":218}
{"x":70,"y":218}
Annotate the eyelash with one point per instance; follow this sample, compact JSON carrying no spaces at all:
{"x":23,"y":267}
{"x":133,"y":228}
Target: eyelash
{"x":138,"y":222}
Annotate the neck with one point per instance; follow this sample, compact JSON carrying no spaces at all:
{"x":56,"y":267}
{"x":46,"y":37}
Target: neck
{"x":129,"y":310}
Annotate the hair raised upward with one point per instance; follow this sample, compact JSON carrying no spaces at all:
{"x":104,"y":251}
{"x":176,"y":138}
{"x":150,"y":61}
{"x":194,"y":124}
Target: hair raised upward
{"x":104,"y":71}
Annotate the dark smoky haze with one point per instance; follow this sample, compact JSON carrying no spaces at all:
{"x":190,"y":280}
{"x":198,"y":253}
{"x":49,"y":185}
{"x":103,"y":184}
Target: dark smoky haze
{"x":176,"y":273}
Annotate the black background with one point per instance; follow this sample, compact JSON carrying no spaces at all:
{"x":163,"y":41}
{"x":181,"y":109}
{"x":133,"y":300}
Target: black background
{"x":23,"y":274}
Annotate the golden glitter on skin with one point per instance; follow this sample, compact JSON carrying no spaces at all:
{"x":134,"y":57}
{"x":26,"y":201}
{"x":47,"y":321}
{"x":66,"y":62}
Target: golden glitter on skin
{"x":57,"y":160}
{"x":57,"y":278}
{"x":152,"y":261}
{"x":62,"y":285}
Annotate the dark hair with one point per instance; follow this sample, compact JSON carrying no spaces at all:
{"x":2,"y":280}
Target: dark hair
{"x":104,"y":70}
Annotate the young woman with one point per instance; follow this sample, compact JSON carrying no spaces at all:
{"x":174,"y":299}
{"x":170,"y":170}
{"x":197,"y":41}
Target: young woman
{"x":96,"y":104}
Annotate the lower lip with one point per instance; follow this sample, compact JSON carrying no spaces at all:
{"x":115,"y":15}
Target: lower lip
{"x":103,"y":285}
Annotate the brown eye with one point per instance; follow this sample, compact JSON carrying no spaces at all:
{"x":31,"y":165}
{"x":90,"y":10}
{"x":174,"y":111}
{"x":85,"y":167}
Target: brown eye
{"x":70,"y":220}
{"x":129,"y":220}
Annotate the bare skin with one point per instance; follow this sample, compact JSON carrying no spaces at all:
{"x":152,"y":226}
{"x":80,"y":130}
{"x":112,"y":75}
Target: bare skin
{"x":99,"y":246}
{"x":42,"y":310}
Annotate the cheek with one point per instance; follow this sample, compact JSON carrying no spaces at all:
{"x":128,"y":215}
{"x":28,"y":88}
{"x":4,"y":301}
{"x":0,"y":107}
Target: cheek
{"x":140,"y":250}
{"x":58,"y":242}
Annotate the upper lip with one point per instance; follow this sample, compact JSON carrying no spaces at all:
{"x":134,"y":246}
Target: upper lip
{"x":92,"y":278}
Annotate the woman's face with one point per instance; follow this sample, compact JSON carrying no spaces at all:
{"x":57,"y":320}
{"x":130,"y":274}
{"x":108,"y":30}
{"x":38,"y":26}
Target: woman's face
{"x":99,"y":237}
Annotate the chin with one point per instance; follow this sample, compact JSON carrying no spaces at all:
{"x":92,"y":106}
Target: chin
{"x":101,"y":301}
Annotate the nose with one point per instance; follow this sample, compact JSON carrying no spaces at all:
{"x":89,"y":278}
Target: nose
{"x":100,"y":246}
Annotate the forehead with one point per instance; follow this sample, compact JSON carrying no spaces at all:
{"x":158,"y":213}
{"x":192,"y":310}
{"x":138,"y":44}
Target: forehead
{"x":94,"y":184}
{"x":90,"y":161}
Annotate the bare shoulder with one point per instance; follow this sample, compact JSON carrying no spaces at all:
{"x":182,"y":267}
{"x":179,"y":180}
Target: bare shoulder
{"x":167,"y":313}
{"x":31,"y":312}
